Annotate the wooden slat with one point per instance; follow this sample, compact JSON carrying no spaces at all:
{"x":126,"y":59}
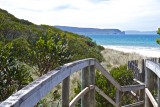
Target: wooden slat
{"x":143,"y":71}
{"x":107,"y":75}
{"x":92,"y":82}
{"x":118,"y":97}
{"x":132,"y":87}
{"x":85,"y":99}
{"x":134,"y":104}
{"x":153,"y":101}
{"x":105,"y":96}
{"x":32,"y":93}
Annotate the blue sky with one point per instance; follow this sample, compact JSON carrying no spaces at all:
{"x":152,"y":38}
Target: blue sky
{"x":122,"y":14}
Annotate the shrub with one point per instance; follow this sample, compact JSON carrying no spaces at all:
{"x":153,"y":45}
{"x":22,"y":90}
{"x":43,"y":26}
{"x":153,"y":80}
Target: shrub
{"x":123,"y":77}
{"x":13,"y":75}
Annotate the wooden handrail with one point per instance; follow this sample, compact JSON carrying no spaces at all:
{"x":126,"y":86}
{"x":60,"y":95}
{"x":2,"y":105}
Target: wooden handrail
{"x":153,"y":101}
{"x":152,"y":76}
{"x":82,"y":93}
{"x":32,"y":93}
{"x":154,"y":67}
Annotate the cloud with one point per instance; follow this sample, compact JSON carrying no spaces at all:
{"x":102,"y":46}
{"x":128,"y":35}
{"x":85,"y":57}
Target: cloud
{"x":98,"y":1}
{"x":65,"y":7}
{"x":123,"y":14}
{"x":32,"y":10}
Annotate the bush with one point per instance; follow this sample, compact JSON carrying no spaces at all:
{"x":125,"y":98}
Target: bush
{"x":48,"y":52}
{"x":123,"y":77}
{"x":101,"y":47}
{"x":13,"y":75}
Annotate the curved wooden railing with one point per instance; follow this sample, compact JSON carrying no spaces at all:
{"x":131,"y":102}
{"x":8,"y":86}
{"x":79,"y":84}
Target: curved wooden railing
{"x":152,"y":79}
{"x":32,"y":93}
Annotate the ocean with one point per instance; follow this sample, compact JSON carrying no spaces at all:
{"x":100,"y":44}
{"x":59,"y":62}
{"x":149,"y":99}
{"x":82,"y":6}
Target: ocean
{"x":144,"y":45}
{"x":127,"y":40}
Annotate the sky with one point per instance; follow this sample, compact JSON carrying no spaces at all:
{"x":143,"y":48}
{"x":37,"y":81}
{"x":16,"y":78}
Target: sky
{"x":143,"y":15}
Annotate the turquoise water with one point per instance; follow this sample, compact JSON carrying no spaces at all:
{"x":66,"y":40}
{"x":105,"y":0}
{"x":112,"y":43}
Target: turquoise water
{"x":127,"y":40}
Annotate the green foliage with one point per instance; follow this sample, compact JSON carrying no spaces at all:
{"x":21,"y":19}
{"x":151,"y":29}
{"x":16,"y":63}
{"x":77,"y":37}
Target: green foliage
{"x":76,"y":91}
{"x":41,"y":47}
{"x":158,"y":31}
{"x":123,"y":77}
{"x":21,"y":49}
{"x":101,"y":48}
{"x":14,"y":76}
{"x":12,"y":28}
{"x":52,"y":100}
{"x":158,"y":40}
{"x":49,"y":52}
{"x":81,"y":50}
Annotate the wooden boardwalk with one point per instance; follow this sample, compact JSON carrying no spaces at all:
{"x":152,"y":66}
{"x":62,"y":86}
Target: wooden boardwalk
{"x":34,"y":92}
{"x":150,"y":75}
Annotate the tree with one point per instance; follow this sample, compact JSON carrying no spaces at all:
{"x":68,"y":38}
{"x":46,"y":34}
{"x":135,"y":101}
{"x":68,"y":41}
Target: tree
{"x":49,"y":52}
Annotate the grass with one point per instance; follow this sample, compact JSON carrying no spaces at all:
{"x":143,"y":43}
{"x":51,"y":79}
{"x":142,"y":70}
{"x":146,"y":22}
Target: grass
{"x":116,"y":58}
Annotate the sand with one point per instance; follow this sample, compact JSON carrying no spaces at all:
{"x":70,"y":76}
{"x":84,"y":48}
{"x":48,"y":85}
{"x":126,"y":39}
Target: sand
{"x":120,"y":55}
{"x":115,"y":58}
{"x":143,"y":51}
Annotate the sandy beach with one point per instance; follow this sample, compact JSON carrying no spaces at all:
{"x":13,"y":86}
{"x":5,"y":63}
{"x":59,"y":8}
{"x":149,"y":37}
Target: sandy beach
{"x":120,"y":55}
{"x":143,"y":51}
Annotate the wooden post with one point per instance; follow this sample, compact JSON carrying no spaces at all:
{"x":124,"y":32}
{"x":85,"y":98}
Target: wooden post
{"x":118,"y":97}
{"x":129,"y":66}
{"x":85,"y":83}
{"x":142,"y":95}
{"x":92,"y":82}
{"x":136,"y":63}
{"x":158,"y":90}
{"x":159,"y":60}
{"x":148,"y":84}
{"x":65,"y":92}
{"x":143,"y":71}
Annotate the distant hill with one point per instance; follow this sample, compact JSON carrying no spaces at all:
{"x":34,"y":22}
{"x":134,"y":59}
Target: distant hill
{"x":140,"y":32}
{"x":85,"y":31}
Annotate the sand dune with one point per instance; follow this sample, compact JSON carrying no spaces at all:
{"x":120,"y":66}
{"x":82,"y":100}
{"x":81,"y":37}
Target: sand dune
{"x":115,"y":58}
